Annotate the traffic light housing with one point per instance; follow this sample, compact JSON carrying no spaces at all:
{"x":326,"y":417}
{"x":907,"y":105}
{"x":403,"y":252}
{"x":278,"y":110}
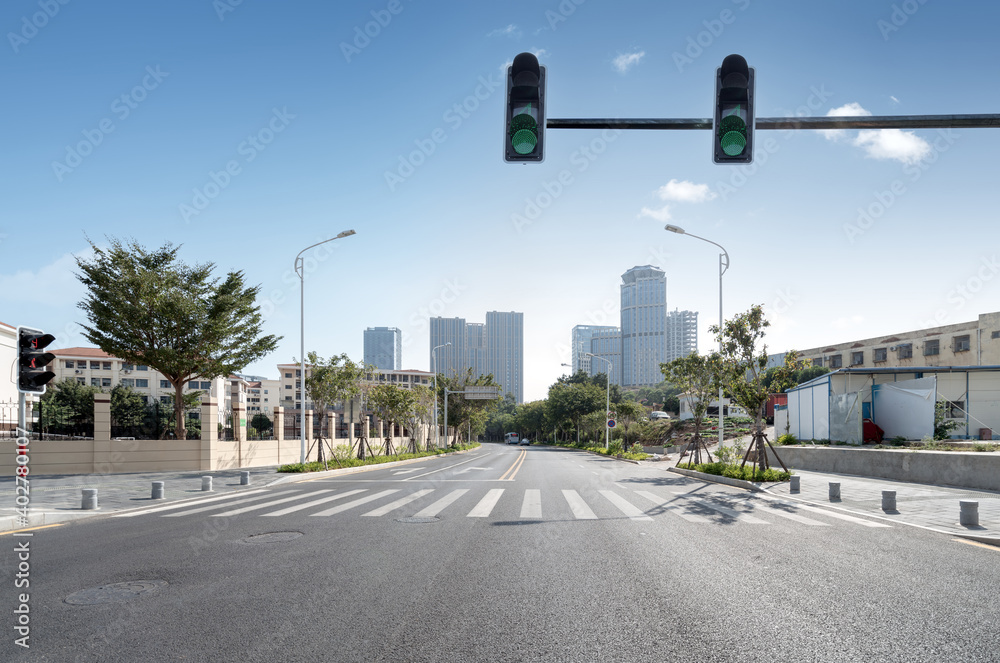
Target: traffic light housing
{"x":732,"y":125}
{"x":524,"y":119}
{"x":32,"y":376}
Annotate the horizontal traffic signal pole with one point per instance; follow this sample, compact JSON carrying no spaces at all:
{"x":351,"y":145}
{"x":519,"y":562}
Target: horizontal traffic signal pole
{"x":971,"y":121}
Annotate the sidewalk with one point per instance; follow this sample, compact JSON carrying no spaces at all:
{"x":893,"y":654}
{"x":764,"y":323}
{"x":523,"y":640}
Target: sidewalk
{"x":58,"y":498}
{"x":935,"y":508}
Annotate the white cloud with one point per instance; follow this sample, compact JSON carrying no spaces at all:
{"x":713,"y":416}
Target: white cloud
{"x":895,"y":144}
{"x":662,"y":214}
{"x":55,"y":283}
{"x":626,"y":61}
{"x":510,"y":31}
{"x":685,"y":191}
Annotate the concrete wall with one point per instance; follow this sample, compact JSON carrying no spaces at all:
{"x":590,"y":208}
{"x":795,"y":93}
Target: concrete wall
{"x":965,"y":469}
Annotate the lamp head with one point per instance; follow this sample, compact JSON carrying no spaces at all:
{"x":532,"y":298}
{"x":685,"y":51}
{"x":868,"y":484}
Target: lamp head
{"x":674,"y":229}
{"x":346,"y":233}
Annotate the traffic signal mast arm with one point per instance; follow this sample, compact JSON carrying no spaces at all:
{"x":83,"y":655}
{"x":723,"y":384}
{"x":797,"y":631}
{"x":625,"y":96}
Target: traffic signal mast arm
{"x":970,"y":121}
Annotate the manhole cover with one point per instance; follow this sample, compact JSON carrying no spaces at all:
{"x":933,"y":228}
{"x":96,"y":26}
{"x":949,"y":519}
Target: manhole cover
{"x":417,"y":520}
{"x":273,"y":537}
{"x":115,"y":593}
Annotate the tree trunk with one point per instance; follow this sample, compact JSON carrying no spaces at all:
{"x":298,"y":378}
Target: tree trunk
{"x":179,"y":431}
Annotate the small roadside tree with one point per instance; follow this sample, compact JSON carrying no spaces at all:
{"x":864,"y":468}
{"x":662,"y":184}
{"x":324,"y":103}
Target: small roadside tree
{"x":699,"y":376}
{"x":391,"y":403}
{"x":127,"y":408}
{"x":329,"y":381}
{"x":148,"y":308}
{"x":744,"y":366}
{"x":420,"y":412}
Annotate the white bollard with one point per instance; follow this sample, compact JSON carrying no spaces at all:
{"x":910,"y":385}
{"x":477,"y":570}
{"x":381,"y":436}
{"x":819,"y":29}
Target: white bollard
{"x":157,"y":490}
{"x":206,"y":484}
{"x":968,"y":513}
{"x":244,"y":478}
{"x":794,"y":486}
{"x":834,"y":490}
{"x":89,"y":501}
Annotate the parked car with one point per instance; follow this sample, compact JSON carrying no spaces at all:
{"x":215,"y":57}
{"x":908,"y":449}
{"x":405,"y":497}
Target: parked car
{"x":525,"y":442}
{"x":653,"y":416}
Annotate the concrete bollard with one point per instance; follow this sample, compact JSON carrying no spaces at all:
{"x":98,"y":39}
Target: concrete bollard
{"x":89,"y":501}
{"x":206,"y":484}
{"x":834,"y":490}
{"x":793,"y":486}
{"x":968,"y":513}
{"x":157,"y":490}
{"x":888,"y":500}
{"x":244,"y":478}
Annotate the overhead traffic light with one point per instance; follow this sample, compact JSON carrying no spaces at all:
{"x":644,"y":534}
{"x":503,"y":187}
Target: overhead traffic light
{"x":524,"y":119}
{"x":32,"y":376}
{"x":732,"y":125}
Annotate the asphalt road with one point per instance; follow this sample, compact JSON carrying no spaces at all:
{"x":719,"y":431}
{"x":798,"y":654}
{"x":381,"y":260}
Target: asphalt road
{"x":501,"y":554}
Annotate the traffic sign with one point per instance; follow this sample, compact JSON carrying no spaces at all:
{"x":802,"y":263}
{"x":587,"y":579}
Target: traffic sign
{"x":611,"y":423}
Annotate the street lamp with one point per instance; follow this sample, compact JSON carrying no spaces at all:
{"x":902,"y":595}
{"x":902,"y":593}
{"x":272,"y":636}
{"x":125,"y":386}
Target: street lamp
{"x":300,"y":270}
{"x":437,"y":441}
{"x":607,"y":429}
{"x":723,"y":266}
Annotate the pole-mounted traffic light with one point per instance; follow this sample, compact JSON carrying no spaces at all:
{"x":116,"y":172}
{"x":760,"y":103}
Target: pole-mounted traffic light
{"x":32,"y":376}
{"x":524,"y":119}
{"x":732,"y":126}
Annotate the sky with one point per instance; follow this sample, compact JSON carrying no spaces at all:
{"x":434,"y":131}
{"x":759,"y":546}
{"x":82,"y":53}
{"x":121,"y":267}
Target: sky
{"x":245,"y":131}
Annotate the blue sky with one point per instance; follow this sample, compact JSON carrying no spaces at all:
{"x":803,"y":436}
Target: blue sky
{"x":248,"y":131}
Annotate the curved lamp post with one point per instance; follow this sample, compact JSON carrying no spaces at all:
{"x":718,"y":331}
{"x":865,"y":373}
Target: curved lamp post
{"x":300,"y":270}
{"x":723,"y":266}
{"x":437,"y":441}
{"x":607,"y":430}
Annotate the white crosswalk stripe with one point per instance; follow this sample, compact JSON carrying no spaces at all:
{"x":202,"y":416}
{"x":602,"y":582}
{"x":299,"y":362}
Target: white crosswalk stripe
{"x":168,"y":507}
{"x":531,"y":507}
{"x":443,"y":503}
{"x":324,"y":500}
{"x":358,"y":502}
{"x":401,"y":502}
{"x":579,"y":508}
{"x":673,"y":508}
{"x":830,"y":513}
{"x":485,"y":506}
{"x":201,"y":509}
{"x":266,"y":505}
{"x":626,"y":507}
{"x":742,"y":517}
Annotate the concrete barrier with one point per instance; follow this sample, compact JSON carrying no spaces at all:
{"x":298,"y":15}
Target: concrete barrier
{"x":964,"y":469}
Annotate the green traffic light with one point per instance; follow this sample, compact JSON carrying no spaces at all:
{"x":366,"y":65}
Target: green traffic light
{"x":733,"y":135}
{"x":523,"y":133}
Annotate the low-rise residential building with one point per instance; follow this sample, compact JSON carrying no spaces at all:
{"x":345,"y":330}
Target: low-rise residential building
{"x":8,"y":357}
{"x":289,"y":383}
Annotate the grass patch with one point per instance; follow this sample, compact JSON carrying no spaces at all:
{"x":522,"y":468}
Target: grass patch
{"x":746,"y":473}
{"x":316,"y":466}
{"x":614,"y":451}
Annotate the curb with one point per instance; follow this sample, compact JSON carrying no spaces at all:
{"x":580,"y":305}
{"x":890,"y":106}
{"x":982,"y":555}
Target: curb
{"x":714,"y":478}
{"x":294,"y":477}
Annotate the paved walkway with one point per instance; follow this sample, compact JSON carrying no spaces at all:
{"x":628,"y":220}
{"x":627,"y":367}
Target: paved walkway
{"x":920,"y":505}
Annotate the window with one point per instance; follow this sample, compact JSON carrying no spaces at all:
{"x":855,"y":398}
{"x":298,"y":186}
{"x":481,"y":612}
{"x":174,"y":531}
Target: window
{"x":857,"y":358}
{"x":128,"y":382}
{"x":165,"y":399}
{"x":126,"y":367}
{"x":140,"y":367}
{"x":960,"y":343}
{"x":105,"y":382}
{"x":142,"y":382}
{"x":288,"y":398}
{"x":905,"y":351}
{"x":879,"y":354}
{"x":82,"y":380}
{"x":95,"y":365}
{"x":818,"y":362}
{"x":193,"y":384}
{"x":298,"y":373}
{"x":164,"y":384}
{"x":954,"y":409}
{"x":288,"y":386}
{"x":206,"y":385}
{"x":69,"y":363}
{"x":995,"y":334}
{"x":288,"y":375}
{"x":106,"y":365}
{"x":95,"y":382}
{"x":265,"y":391}
{"x":836,"y":361}
{"x":932,"y":347}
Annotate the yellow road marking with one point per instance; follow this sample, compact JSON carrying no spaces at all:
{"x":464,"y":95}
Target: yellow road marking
{"x":977,"y":543}
{"x":512,"y":472}
{"x":31,"y":529}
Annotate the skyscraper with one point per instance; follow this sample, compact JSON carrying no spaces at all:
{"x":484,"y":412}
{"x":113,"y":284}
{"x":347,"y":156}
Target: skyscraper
{"x":643,"y":318}
{"x":580,"y":345}
{"x":451,"y":360}
{"x":475,"y":342}
{"x":505,"y":351}
{"x":607,"y":344}
{"x":682,"y":334}
{"x":384,"y":347}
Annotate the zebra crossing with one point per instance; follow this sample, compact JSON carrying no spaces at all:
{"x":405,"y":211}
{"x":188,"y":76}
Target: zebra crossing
{"x":529,"y":504}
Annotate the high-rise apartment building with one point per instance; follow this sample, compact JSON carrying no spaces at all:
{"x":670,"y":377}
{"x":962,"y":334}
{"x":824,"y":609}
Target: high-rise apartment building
{"x":580,"y":345}
{"x":384,"y":348}
{"x":475,"y":343}
{"x":505,"y":351}
{"x":452,"y":359}
{"x":682,"y":334}
{"x":643,"y":325}
{"x":606,"y":344}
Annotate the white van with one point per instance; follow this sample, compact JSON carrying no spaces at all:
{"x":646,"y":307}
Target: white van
{"x":512,"y":438}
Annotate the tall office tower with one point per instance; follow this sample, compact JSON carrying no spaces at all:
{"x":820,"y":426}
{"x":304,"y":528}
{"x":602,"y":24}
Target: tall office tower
{"x":580,"y":345}
{"x":384,"y":347}
{"x":453,"y":359}
{"x":475,"y":343}
{"x":607,"y":344}
{"x":682,"y":334}
{"x":505,"y":351}
{"x":644,"y":318}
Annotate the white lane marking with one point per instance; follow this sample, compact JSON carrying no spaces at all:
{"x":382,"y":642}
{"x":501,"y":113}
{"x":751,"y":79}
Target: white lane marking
{"x":188,"y":512}
{"x":406,"y":471}
{"x":298,"y":496}
{"x":402,"y":501}
{"x":442,"y":469}
{"x":358,"y":502}
{"x":299,"y":507}
{"x":673,"y":508}
{"x":832,"y":514}
{"x":463,"y":471}
{"x":485,"y":506}
{"x":184,"y":504}
{"x":579,"y":508}
{"x":791,"y":516}
{"x":626,"y":507}
{"x":531,"y":507}
{"x":441,"y":504}
{"x":742,"y":517}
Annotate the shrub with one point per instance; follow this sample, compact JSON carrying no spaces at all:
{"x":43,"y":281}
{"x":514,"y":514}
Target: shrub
{"x":787,"y":438}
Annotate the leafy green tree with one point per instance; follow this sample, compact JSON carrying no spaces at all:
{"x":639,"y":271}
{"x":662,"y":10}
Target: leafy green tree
{"x":148,"y":308}
{"x":571,"y":401}
{"x":465,"y":414}
{"x":630,"y":419}
{"x":530,"y":420}
{"x":329,"y":381}
{"x":261,"y":424}
{"x":71,"y":405}
{"x":391,"y":403}
{"x":699,"y":376}
{"x":127,"y":407}
{"x":420,"y":412}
